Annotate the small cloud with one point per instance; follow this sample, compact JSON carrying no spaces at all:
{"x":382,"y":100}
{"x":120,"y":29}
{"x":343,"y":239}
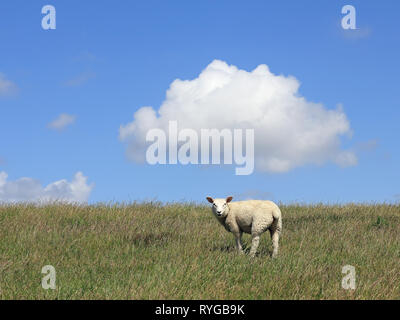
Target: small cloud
{"x":62,"y":122}
{"x":86,"y":56}
{"x":346,"y":159}
{"x":367,"y":146}
{"x":358,"y":33}
{"x":80,"y":79}
{"x":2,"y":161}
{"x":354,"y":34}
{"x":387,"y":156}
{"x":7,"y":87}
{"x":31,"y":190}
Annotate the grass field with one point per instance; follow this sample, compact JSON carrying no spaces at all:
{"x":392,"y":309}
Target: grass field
{"x":179,"y":251}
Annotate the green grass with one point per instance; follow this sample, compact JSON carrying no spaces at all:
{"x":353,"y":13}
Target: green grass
{"x":179,"y":251}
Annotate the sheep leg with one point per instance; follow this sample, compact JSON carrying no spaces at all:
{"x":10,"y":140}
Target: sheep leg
{"x":238,"y":236}
{"x":275,"y":243}
{"x":254,"y":244}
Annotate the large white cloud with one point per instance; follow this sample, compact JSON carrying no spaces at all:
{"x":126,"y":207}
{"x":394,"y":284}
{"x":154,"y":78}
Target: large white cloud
{"x":31,"y":190}
{"x":289,"y":130}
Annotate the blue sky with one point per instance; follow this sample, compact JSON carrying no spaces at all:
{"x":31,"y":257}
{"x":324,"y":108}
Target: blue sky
{"x":107,"y":59}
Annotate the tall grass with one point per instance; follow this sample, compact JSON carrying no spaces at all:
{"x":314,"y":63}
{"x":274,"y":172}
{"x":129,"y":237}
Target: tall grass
{"x":179,"y":251}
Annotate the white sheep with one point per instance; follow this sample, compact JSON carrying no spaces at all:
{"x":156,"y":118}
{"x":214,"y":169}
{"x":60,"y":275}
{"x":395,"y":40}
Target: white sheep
{"x":251,"y":216}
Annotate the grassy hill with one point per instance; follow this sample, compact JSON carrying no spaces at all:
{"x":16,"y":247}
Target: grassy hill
{"x":179,"y":251}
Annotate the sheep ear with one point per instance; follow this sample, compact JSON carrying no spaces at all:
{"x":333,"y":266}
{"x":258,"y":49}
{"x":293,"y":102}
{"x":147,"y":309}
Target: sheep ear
{"x":210,"y":200}
{"x":229,"y":199}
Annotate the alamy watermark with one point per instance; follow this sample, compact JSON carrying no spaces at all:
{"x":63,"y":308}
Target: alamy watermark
{"x":184,"y":147}
{"x":349,"y":20}
{"x":49,"y":20}
{"x":349,"y":280}
{"x":49,"y":280}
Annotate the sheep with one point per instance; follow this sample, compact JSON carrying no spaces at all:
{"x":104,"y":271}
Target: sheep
{"x":251,"y":216}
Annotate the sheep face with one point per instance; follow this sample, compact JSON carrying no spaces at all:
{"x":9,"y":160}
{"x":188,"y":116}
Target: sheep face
{"x":220,"y":206}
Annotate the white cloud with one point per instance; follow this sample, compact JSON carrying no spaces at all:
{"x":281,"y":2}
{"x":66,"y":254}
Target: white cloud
{"x":7,"y":87}
{"x":31,"y":190}
{"x":80,"y":79}
{"x":289,"y":130}
{"x":62,"y":121}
